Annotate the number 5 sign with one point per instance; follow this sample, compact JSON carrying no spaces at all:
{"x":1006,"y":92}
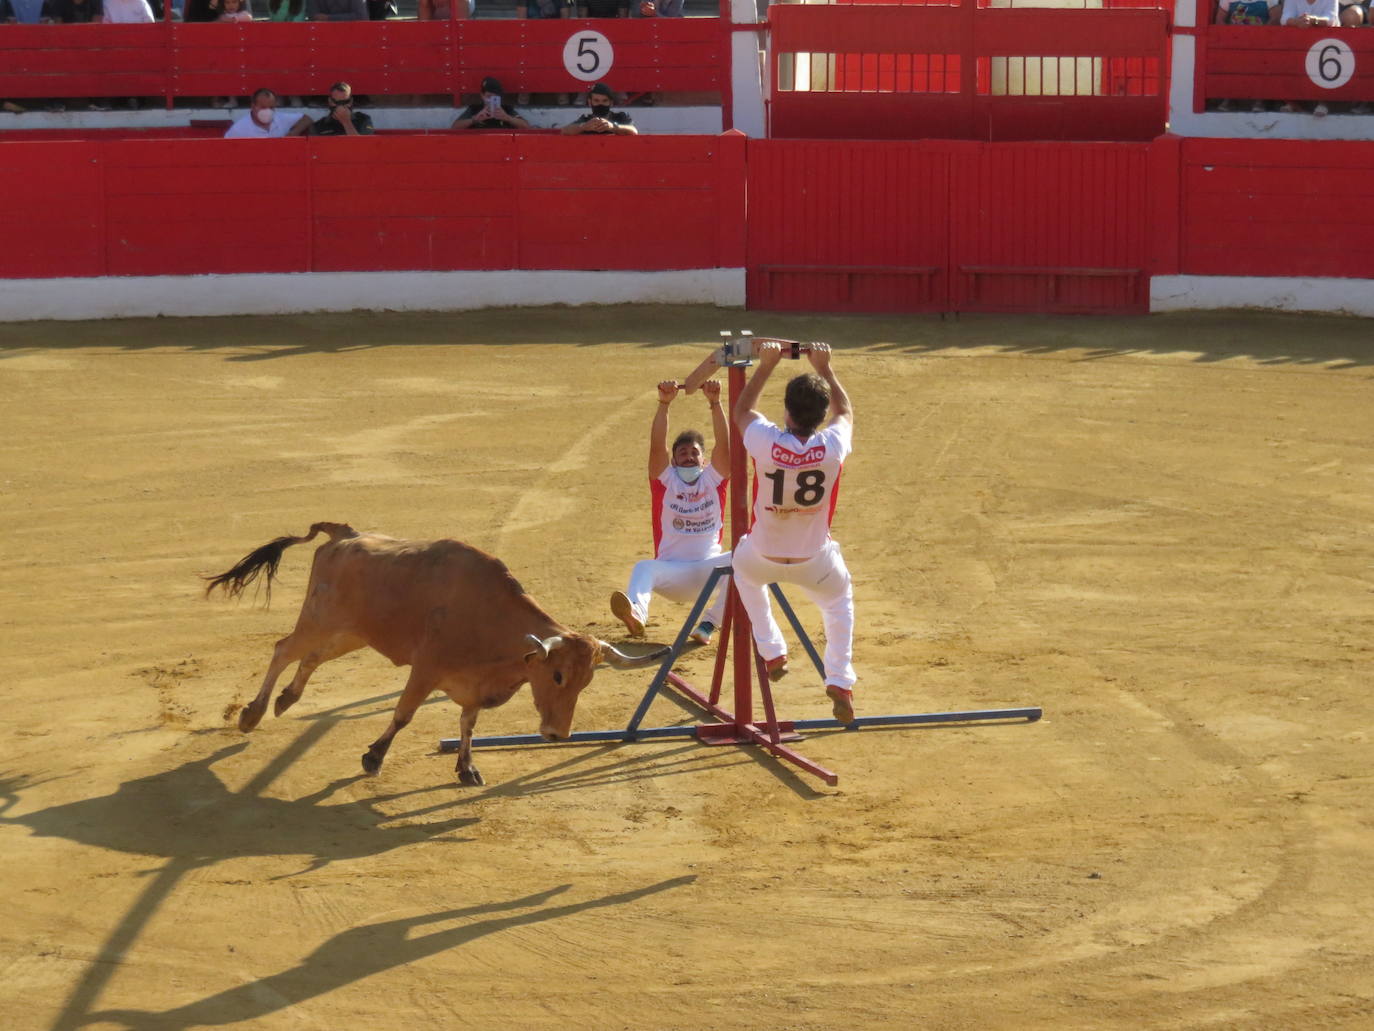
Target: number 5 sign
{"x":1330,"y":63}
{"x":588,"y":56}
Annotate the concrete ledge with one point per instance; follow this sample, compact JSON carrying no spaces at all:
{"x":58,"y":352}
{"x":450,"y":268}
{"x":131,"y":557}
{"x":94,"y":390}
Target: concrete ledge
{"x":264,"y":294}
{"x":1273,"y":293}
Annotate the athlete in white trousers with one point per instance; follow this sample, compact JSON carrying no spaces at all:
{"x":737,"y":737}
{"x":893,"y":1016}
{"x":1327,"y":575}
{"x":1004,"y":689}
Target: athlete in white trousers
{"x":796,"y":476}
{"x":688,"y":505}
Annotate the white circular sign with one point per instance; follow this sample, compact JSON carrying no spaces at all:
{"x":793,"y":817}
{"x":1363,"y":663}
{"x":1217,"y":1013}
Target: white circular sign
{"x":1330,"y":63}
{"x":588,"y":56}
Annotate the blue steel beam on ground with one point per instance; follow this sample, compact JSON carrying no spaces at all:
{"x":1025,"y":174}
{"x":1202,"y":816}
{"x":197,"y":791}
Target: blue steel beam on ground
{"x":1029,"y":715}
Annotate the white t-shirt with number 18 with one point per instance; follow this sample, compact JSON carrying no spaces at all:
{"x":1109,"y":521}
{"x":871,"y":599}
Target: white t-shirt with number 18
{"x":796,"y":483}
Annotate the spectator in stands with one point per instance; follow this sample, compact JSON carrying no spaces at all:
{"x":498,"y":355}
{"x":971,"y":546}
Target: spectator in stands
{"x":492,"y":112}
{"x":77,"y":12}
{"x":442,"y":10}
{"x":604,"y":8}
{"x":1245,"y":12}
{"x":263,"y":121}
{"x":287,"y":10}
{"x":600,"y":120}
{"x":1353,"y":13}
{"x":336,"y":10}
{"x":342,"y":120}
{"x":659,"y":9}
{"x":545,"y":9}
{"x":1308,"y":14}
{"x":127,"y":12}
{"x":235,"y":10}
{"x":25,"y":12}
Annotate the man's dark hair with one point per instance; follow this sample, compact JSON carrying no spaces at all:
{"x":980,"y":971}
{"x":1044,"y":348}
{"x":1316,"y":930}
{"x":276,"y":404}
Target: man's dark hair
{"x":807,"y":400}
{"x":264,"y":92}
{"x":600,"y":89}
{"x":688,"y":437}
{"x":491,"y":85}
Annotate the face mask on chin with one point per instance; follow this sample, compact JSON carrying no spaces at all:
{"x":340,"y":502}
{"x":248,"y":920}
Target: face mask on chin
{"x":601,"y":110}
{"x":263,"y":116}
{"x":688,"y":474}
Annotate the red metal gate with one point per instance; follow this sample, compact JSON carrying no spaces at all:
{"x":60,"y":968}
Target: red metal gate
{"x":965,"y":71}
{"x":886,"y":226}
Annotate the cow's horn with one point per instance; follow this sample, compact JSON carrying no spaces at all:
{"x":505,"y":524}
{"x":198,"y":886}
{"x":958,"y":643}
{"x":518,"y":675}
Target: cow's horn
{"x":543,"y":647}
{"x":617,"y":659}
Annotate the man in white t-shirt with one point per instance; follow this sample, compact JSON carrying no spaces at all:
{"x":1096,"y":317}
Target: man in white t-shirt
{"x":263,"y":121}
{"x":688,"y":505}
{"x":796,"y":478}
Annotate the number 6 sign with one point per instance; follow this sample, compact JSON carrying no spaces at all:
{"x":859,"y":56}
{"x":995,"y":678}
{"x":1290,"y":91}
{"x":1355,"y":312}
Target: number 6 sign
{"x":588,"y":56}
{"x":1330,"y":63}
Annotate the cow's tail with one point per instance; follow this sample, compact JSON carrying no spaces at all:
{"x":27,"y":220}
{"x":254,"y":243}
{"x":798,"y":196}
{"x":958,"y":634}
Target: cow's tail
{"x":268,"y":557}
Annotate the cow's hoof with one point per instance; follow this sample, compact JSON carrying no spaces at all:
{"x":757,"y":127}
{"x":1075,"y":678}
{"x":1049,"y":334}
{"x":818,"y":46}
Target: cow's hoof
{"x":471,"y":777}
{"x":249,"y":718}
{"x":284,"y":701}
{"x":371,"y":764}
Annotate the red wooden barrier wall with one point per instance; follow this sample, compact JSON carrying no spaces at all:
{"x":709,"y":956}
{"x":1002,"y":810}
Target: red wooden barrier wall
{"x":391,"y":57}
{"x":498,"y":201}
{"x":948,"y":226}
{"x":1277,"y":208}
{"x":963,"y":72}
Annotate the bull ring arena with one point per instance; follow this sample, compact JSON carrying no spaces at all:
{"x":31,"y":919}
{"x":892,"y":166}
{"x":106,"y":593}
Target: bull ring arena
{"x":1108,"y":347}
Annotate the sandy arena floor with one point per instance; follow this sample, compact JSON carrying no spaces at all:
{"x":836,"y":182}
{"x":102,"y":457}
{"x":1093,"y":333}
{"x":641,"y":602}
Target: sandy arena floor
{"x":1157,"y":529}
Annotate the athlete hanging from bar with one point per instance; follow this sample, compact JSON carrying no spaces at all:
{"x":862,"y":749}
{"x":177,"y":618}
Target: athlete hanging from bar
{"x":796,"y":475}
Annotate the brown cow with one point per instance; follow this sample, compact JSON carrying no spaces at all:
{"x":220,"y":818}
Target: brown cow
{"x":452,"y":613}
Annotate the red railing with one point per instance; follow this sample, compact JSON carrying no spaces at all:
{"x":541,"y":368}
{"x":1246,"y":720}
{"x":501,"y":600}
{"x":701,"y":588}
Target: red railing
{"x":378,"y":58}
{"x":911,"y":72}
{"x":1271,"y":62}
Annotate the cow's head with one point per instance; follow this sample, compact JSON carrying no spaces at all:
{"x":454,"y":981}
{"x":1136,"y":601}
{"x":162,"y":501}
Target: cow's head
{"x":560,"y":667}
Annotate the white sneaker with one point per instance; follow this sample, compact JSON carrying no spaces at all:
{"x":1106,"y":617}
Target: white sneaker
{"x":624,"y":611}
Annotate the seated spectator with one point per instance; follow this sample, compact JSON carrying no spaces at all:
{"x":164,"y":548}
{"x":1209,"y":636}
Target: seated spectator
{"x":235,"y":10}
{"x":263,"y":121}
{"x":1245,"y":12}
{"x":600,"y":120}
{"x":659,"y":9}
{"x":77,"y":12}
{"x":336,"y":10}
{"x":492,"y":112}
{"x":1353,"y":13}
{"x":342,"y":120}
{"x":1308,"y":14}
{"x":25,"y":12}
{"x":604,"y":8}
{"x":442,"y":10}
{"x":545,"y":9}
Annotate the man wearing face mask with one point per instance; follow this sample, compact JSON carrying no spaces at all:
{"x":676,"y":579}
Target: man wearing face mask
{"x":600,"y":120}
{"x":342,"y":120}
{"x":263,"y":120}
{"x":688,"y":503}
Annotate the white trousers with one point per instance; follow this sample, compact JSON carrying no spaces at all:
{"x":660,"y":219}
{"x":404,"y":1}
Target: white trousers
{"x":677,"y":581}
{"x":824,"y":579}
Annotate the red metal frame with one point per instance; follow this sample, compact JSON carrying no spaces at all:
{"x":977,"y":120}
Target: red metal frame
{"x":1128,"y":49}
{"x":738,"y":726}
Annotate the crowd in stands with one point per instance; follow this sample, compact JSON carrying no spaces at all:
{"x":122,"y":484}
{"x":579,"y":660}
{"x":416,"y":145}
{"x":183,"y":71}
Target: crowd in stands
{"x":1347,"y":14}
{"x":53,"y":12}
{"x":264,"y":120}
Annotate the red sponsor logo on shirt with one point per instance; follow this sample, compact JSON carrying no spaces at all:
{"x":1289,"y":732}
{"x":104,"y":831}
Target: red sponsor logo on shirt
{"x":810,"y":456}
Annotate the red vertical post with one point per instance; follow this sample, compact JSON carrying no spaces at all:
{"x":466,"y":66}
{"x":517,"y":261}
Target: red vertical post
{"x":743,"y":639}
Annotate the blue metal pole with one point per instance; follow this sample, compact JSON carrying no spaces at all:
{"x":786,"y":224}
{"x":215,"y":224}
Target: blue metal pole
{"x":656,"y":685}
{"x":797,"y":629}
